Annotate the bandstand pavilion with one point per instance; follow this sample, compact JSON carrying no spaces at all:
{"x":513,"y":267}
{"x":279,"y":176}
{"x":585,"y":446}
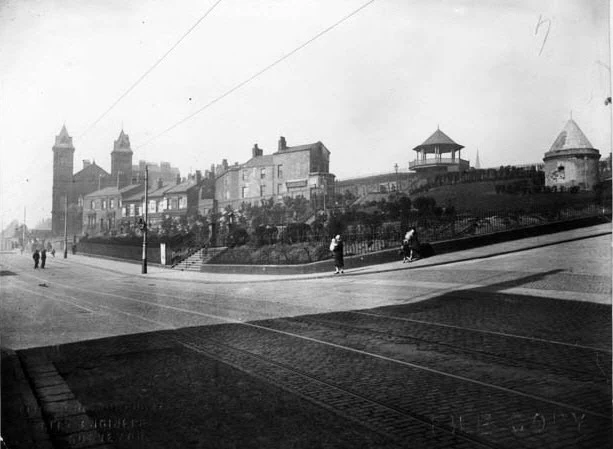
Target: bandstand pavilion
{"x":437,"y":155}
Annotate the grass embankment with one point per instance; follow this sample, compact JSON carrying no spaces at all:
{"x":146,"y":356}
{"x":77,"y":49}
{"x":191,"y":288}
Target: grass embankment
{"x":483,"y":196}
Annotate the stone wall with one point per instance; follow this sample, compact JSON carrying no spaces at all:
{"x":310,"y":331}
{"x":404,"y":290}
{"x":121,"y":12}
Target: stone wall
{"x":571,"y":169}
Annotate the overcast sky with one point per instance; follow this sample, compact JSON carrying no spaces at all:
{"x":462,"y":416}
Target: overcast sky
{"x":497,"y":76}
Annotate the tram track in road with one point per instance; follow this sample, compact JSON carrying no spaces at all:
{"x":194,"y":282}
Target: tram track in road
{"x":410,"y":391}
{"x":500,"y":349}
{"x":483,"y":331}
{"x":392,"y":422}
{"x":409,"y":401}
{"x":226,"y":319}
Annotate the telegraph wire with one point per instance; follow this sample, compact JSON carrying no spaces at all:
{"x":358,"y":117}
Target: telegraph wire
{"x":151,"y":68}
{"x":252,"y":77}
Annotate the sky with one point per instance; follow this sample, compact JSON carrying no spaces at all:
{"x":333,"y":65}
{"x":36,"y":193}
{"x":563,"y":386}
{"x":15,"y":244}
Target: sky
{"x":499,"y":77}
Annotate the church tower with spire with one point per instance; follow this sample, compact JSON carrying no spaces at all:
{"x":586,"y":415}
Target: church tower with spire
{"x":121,"y":161}
{"x":63,"y":164}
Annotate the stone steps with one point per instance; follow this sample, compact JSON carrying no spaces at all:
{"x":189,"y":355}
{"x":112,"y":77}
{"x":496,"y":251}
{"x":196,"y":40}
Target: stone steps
{"x":199,"y":258}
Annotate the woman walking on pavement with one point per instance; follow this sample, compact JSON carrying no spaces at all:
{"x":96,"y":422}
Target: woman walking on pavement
{"x":413,"y":243}
{"x":336,"y":246}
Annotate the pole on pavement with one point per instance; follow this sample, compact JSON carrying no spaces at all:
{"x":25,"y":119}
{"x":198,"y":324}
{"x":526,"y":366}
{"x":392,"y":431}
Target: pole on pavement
{"x":144,"y":270}
{"x":23,"y":229}
{"x":66,"y":226}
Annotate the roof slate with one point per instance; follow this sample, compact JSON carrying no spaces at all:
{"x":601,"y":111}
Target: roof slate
{"x":439,"y":138}
{"x":183,"y":187}
{"x":92,"y":169}
{"x":259,"y":161}
{"x":571,"y":137}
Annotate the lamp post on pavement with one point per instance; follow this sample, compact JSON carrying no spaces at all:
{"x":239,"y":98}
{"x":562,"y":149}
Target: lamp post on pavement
{"x":23,"y":230}
{"x":397,"y":185}
{"x":144,"y":268}
{"x":66,"y":227}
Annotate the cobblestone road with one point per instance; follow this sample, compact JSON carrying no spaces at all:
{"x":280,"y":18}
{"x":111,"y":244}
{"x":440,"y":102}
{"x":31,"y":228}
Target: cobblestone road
{"x":509,"y":351}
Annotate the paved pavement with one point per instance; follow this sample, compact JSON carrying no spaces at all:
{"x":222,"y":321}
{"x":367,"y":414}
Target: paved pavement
{"x":471,"y":349}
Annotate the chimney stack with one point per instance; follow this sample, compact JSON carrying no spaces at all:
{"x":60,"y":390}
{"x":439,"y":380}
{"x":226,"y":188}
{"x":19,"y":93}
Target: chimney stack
{"x":160,"y":183}
{"x":198,"y":176}
{"x":255,"y":152}
{"x":282,"y":144}
{"x":178,"y":179}
{"x":86,"y":163}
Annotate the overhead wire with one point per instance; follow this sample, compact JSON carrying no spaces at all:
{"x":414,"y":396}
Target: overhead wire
{"x":254,"y":76}
{"x":158,"y":62}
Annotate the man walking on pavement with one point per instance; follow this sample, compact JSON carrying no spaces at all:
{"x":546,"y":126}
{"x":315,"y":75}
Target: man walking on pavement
{"x":43,"y":258}
{"x":36,"y":257}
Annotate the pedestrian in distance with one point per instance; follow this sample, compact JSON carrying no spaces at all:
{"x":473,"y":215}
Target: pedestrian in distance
{"x":406,"y":250}
{"x":36,"y":257}
{"x":53,"y":252}
{"x":43,"y":258}
{"x":336,"y":246}
{"x":413,"y":243}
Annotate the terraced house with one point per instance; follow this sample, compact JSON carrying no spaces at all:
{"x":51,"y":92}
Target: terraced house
{"x":301,"y":170}
{"x":103,"y":209}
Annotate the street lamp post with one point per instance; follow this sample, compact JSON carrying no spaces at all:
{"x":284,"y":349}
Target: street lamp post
{"x":397,"y":185}
{"x":23,"y":231}
{"x":66,"y":227}
{"x":144,"y":269}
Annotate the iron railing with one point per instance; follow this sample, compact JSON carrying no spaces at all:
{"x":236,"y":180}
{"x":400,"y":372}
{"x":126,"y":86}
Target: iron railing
{"x":359,"y":240}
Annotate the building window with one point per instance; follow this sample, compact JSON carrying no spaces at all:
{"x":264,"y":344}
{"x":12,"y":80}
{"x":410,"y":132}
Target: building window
{"x":262,"y":190}
{"x":80,"y":201}
{"x":132,"y":210}
{"x":103,"y":204}
{"x":137,"y":210}
{"x":262,"y":173}
{"x":280,"y":171}
{"x":279,"y":188}
{"x":152,"y":206}
{"x":182,"y":202}
{"x":244,"y":175}
{"x":112,"y":203}
{"x":243,"y":190}
{"x":93,"y":204}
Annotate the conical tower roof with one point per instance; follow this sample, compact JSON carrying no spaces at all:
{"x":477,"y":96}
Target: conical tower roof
{"x":441,"y":140}
{"x":122,"y":144}
{"x":571,"y":138}
{"x":63,"y":140}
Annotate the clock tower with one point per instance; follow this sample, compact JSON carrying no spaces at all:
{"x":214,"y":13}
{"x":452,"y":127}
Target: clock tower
{"x":63,"y":162}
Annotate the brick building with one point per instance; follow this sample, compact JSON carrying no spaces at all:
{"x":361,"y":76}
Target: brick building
{"x":103,"y":209}
{"x":70,"y":189}
{"x":301,"y":170}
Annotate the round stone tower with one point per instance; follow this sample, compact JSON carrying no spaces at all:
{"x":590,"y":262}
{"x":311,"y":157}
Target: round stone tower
{"x":571,"y":160}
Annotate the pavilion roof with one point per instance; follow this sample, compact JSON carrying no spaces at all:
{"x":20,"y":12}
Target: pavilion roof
{"x":441,"y":140}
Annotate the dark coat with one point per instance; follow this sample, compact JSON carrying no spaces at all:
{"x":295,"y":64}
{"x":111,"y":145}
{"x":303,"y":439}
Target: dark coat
{"x":338,"y":254}
{"x":36,"y":256}
{"x":413,"y":241}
